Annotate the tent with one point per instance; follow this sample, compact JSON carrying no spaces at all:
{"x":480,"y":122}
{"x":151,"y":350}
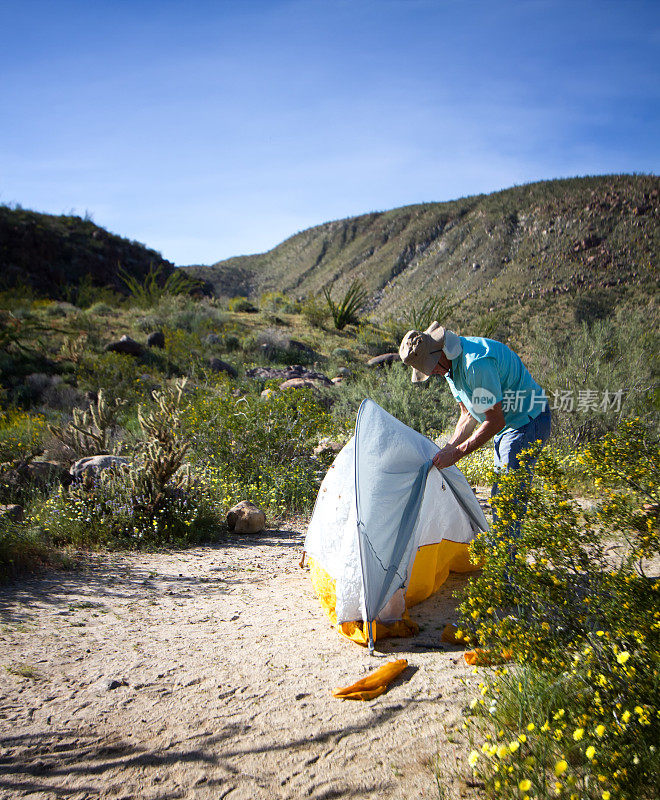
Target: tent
{"x":387,"y":528}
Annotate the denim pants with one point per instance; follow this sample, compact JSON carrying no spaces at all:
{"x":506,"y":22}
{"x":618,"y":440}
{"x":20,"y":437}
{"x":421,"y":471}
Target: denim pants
{"x":508,"y":446}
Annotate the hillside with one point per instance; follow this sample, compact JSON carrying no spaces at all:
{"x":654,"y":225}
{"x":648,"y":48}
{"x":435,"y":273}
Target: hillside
{"x":580,"y":246}
{"x":52,"y":255}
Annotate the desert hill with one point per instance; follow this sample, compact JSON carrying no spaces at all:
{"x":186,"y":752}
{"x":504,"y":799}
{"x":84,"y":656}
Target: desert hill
{"x":54,"y":255}
{"x":581,"y":246}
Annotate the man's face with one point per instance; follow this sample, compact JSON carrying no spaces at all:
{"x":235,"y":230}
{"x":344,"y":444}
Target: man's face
{"x":442,"y":367}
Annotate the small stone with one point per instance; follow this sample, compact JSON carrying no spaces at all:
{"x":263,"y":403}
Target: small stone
{"x":127,"y":346}
{"x":218,"y":365}
{"x":156,"y":339}
{"x":383,"y":360}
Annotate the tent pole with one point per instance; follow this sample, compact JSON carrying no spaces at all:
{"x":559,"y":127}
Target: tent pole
{"x":371,"y":637}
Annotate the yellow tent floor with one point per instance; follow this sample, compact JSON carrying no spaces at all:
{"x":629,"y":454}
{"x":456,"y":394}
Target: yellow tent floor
{"x":432,"y":566}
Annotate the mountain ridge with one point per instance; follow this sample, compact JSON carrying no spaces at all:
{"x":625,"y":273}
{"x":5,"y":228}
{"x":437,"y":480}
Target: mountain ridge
{"x":592,"y":241}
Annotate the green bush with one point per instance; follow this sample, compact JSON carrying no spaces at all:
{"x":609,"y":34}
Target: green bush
{"x":23,"y":548}
{"x":241,"y":304}
{"x":21,"y":434}
{"x":428,"y":408}
{"x":277,"y":303}
{"x":610,"y":355}
{"x":260,"y":449}
{"x":576,"y":715}
{"x":314,"y":312}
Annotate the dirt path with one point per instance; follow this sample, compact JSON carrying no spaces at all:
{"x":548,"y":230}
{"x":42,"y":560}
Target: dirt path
{"x":207,"y":674}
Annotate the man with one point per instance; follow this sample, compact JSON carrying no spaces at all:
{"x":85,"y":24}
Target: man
{"x":496,"y":394}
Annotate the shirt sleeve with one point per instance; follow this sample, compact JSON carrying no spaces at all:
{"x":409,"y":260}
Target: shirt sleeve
{"x":453,"y":388}
{"x":485,"y":385}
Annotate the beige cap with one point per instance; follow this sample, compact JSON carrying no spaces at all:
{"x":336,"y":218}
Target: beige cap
{"x":421,"y":350}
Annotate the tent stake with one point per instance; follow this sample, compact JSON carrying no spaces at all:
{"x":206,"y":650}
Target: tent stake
{"x":371,"y":638}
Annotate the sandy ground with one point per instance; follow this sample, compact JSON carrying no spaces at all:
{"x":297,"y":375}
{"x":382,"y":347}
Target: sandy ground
{"x":207,"y":674}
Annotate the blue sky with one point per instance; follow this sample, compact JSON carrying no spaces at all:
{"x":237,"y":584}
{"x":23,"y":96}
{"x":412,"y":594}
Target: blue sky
{"x":212,"y":129}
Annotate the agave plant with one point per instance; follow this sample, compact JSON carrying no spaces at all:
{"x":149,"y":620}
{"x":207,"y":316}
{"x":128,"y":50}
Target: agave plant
{"x":347,"y":310}
{"x":152,"y":289}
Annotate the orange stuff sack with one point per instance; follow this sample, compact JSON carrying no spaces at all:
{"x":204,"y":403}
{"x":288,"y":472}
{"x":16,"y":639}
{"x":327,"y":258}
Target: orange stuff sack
{"x":373,"y":684}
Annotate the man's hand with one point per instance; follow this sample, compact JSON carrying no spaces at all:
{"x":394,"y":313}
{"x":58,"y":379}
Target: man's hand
{"x":446,"y":457}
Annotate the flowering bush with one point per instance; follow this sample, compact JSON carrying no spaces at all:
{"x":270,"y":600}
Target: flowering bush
{"x":577,"y":715}
{"x":260,"y":448}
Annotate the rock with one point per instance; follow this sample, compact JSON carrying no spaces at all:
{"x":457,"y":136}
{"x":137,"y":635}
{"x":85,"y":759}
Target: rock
{"x":344,"y":372}
{"x":45,"y":472}
{"x":213,"y":338}
{"x":245,"y":517}
{"x":156,"y":339}
{"x":326,"y":445}
{"x":338,"y":380}
{"x":86,"y":468}
{"x":383,"y":360}
{"x":299,"y":383}
{"x":301,"y":347}
{"x":267,"y":393}
{"x":13,"y":512}
{"x":294,"y":371}
{"x":127,"y":346}
{"x":218,"y":365}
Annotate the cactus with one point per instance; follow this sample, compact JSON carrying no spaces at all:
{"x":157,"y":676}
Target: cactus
{"x":160,"y":468}
{"x":90,"y":432}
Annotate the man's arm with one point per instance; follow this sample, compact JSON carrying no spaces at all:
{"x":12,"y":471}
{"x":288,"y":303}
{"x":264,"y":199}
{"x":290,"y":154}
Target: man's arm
{"x":455,"y":450}
{"x":464,"y":427}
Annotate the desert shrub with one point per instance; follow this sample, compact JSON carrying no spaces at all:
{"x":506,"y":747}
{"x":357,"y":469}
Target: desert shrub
{"x":241,"y":304}
{"x":346,"y":310}
{"x":181,"y":312}
{"x":232,"y":342}
{"x":314,"y":312}
{"x":118,"y":375}
{"x":373,"y":341}
{"x":157,"y":500}
{"x":21,"y":434}
{"x":23,"y":548}
{"x":478,"y":466}
{"x":576,"y":713}
{"x":428,"y":408}
{"x":100,"y":309}
{"x":277,"y":303}
{"x":341,"y":353}
{"x":601,"y":374}
{"x":260,"y":449}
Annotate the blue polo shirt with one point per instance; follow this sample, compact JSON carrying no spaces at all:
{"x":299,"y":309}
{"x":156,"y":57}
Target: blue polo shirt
{"x":488,"y":372}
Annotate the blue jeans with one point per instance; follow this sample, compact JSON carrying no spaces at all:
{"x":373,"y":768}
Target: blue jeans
{"x":508,"y":446}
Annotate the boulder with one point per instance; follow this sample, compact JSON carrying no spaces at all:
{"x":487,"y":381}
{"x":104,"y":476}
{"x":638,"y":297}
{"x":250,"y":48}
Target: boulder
{"x":84,"y":469}
{"x":338,"y":380}
{"x":156,"y":339}
{"x":13,"y":512}
{"x":45,"y":472}
{"x":383,"y":360}
{"x":267,"y":393}
{"x":245,"y":517}
{"x":127,"y":346}
{"x":344,"y":372}
{"x":299,"y":383}
{"x":294,"y":371}
{"x":218,"y":365}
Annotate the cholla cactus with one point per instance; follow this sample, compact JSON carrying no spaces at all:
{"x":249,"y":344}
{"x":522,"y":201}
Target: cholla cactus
{"x":90,"y":431}
{"x":160,"y":470}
